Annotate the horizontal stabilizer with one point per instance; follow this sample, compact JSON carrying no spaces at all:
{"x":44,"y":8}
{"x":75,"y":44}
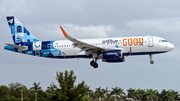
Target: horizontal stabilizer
{"x":18,"y":47}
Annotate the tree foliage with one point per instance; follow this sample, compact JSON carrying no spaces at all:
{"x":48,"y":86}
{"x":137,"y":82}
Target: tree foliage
{"x":66,"y":90}
{"x":36,"y":86}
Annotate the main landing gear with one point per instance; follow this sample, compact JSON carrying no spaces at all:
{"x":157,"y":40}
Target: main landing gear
{"x":94,"y":63}
{"x":151,"y":61}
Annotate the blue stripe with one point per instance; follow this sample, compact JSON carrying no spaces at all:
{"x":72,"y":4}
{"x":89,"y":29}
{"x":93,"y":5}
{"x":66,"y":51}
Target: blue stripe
{"x":143,"y":53}
{"x":90,"y":56}
{"x":72,"y":56}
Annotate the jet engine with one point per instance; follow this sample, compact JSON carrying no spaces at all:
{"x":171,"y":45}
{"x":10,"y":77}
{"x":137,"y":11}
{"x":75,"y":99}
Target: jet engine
{"x":112,"y":56}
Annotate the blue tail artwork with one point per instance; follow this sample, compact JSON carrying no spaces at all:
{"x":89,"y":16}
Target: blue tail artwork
{"x":19,"y":32}
{"x":25,"y":42}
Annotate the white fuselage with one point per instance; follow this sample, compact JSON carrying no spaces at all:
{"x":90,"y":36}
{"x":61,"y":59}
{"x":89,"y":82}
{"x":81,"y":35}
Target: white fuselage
{"x":129,"y":45}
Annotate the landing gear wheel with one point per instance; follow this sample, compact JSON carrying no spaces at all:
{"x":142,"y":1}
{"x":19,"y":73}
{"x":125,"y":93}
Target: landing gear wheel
{"x":152,"y":62}
{"x":94,"y":64}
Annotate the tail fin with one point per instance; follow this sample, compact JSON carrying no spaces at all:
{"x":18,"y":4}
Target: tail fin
{"x":19,"y":33}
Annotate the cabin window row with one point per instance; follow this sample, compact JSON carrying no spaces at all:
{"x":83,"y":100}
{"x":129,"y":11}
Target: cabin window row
{"x":94,"y":44}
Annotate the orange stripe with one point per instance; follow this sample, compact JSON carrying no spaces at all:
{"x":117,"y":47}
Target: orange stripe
{"x":64,"y":32}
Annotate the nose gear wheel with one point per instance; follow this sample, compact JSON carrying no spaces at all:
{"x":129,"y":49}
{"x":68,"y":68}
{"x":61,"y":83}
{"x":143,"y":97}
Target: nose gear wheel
{"x":151,"y":61}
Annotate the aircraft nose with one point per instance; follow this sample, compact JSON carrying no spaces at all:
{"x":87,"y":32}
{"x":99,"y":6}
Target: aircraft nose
{"x":170,"y":46}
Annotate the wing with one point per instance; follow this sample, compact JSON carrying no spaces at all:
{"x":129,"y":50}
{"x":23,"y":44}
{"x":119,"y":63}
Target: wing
{"x":82,"y":45}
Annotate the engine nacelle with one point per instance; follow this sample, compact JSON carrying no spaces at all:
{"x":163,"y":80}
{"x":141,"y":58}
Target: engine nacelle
{"x":113,"y":56}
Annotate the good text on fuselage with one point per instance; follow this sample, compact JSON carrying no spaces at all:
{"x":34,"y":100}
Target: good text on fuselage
{"x":125,"y":41}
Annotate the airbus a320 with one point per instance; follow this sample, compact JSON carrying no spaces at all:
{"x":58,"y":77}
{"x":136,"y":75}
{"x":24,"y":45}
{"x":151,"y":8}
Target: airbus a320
{"x":111,"y":50}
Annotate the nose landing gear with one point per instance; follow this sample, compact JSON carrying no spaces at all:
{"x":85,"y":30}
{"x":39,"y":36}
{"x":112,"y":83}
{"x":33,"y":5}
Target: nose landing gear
{"x":151,"y":61}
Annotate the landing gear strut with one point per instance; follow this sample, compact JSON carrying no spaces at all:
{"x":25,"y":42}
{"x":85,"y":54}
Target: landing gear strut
{"x":151,"y":61}
{"x":94,"y":60}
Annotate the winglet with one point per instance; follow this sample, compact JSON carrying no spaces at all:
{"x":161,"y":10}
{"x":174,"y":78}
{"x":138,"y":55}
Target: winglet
{"x":64,"y":32}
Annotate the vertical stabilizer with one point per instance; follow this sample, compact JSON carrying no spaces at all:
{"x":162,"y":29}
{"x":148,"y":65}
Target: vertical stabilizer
{"x":18,"y":32}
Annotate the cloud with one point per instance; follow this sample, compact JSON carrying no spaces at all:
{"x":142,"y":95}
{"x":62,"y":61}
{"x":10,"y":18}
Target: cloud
{"x":89,"y":31}
{"x":155,"y":27}
{"x":165,"y":26}
{"x":53,"y":32}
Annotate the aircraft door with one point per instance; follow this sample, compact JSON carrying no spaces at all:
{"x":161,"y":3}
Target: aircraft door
{"x":150,"y":42}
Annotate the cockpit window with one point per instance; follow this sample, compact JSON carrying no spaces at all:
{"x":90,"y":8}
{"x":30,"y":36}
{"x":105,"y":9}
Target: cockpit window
{"x":162,"y":41}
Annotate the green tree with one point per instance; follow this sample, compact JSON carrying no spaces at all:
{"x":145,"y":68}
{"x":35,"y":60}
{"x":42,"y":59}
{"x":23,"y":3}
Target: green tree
{"x":26,"y":92}
{"x":140,"y":94}
{"x":4,"y":91}
{"x":151,"y":94}
{"x":88,"y":91}
{"x":169,"y":95}
{"x":117,"y":91}
{"x":174,"y":94}
{"x":105,"y":91}
{"x":15,"y":89}
{"x":51,"y":92}
{"x":92,"y":94}
{"x":51,"y":89}
{"x":68,"y":91}
{"x":132,"y":93}
{"x":99,"y":92}
{"x":121,"y":92}
{"x":36,"y":86}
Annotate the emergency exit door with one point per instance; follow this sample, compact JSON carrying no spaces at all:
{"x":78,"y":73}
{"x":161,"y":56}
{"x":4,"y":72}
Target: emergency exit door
{"x":150,"y":42}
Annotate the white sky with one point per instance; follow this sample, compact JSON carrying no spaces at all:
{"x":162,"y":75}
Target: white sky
{"x":92,"y":19}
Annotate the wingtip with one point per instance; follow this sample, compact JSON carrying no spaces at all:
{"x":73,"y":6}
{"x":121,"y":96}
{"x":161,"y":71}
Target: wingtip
{"x":65,"y":34}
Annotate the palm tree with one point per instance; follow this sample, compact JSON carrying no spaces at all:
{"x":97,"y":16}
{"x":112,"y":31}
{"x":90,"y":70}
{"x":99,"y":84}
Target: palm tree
{"x":25,"y":91}
{"x":132,"y":93}
{"x":151,"y":94}
{"x":114,"y":91}
{"x":121,"y":92}
{"x":105,"y":91}
{"x":140,"y":94}
{"x":168,"y":95}
{"x":87,"y":88}
{"x":174,"y":94}
{"x":117,"y":91}
{"x":51,"y":89}
{"x":92,"y":94}
{"x":98,"y":92}
{"x":36,"y":86}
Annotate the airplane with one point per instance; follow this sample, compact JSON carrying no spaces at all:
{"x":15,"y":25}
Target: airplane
{"x":111,"y":50}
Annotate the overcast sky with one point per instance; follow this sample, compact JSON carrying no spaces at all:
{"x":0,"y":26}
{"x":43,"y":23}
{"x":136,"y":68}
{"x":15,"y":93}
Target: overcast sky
{"x":92,"y":19}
